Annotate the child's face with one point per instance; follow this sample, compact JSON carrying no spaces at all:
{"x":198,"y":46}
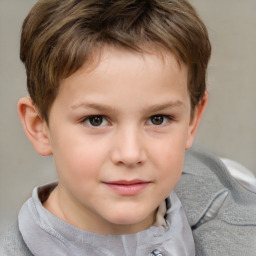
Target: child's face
{"x":118,"y":134}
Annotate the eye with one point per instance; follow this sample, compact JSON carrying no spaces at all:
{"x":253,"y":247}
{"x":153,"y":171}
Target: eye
{"x":159,"y":120}
{"x":96,"y":121}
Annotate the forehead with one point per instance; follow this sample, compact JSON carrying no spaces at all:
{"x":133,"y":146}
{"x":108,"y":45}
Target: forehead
{"x":120,"y":68}
{"x":109,"y":57}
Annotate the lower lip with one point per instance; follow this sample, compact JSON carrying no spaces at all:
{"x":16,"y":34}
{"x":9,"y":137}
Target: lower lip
{"x":127,"y":189}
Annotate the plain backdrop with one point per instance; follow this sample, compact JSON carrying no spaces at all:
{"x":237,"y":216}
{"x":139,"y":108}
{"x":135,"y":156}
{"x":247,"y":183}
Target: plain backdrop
{"x":228,"y":128}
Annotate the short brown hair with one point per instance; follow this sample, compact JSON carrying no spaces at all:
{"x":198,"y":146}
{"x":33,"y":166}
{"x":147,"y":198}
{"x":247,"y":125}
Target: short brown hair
{"x":59,"y":36}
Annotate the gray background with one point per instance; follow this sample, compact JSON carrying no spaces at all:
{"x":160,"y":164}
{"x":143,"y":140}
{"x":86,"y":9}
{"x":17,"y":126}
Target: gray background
{"x":228,"y":127}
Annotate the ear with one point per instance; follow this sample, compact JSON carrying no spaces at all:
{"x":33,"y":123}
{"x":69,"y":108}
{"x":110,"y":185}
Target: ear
{"x":195,"y":120}
{"x":34,"y":126}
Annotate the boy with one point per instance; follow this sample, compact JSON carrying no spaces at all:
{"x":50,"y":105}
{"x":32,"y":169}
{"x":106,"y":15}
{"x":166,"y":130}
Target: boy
{"x":117,"y":92}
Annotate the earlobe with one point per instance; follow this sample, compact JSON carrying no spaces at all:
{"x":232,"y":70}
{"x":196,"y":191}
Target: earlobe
{"x":34,"y":126}
{"x":195,"y":120}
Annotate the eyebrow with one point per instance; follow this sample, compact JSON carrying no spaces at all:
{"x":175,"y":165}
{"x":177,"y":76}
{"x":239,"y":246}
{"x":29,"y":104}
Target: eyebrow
{"x":100,"y":107}
{"x":166,"y":105}
{"x":152,"y":108}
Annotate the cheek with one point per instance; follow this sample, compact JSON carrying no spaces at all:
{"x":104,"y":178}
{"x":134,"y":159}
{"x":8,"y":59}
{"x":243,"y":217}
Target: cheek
{"x":169,"y":158}
{"x":171,"y":166}
{"x":79,"y":161}
{"x":78,"y":171}
{"x":169,"y":150}
{"x":170,"y":174}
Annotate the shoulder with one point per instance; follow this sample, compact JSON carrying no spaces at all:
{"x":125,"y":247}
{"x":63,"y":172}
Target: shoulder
{"x":221,"y":212}
{"x":206,"y":181}
{"x":11,"y":241}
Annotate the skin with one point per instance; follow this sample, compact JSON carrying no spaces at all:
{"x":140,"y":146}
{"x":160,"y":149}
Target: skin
{"x":127,"y":120}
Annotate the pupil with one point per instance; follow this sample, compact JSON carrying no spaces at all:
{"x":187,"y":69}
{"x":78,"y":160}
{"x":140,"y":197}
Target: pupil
{"x":157,"y":120}
{"x":96,"y":120}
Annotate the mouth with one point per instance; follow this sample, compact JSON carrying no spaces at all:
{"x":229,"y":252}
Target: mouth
{"x":126,"y":187}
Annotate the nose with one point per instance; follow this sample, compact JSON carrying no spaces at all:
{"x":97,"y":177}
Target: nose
{"x":128,"y":148}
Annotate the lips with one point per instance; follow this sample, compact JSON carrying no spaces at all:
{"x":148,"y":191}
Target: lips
{"x":126,"y":187}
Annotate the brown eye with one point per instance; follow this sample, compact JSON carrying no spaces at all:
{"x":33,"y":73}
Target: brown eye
{"x":95,"y":120}
{"x":157,"y":120}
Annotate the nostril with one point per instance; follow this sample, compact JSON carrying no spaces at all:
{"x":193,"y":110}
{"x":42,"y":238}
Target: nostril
{"x":128,"y":157}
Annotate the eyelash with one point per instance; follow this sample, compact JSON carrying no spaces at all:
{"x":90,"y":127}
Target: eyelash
{"x":104,"y":122}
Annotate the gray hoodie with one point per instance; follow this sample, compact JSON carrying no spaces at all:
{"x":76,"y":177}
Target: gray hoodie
{"x":45,"y":234}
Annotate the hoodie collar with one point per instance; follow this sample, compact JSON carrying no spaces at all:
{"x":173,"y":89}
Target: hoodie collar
{"x":207,"y":185}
